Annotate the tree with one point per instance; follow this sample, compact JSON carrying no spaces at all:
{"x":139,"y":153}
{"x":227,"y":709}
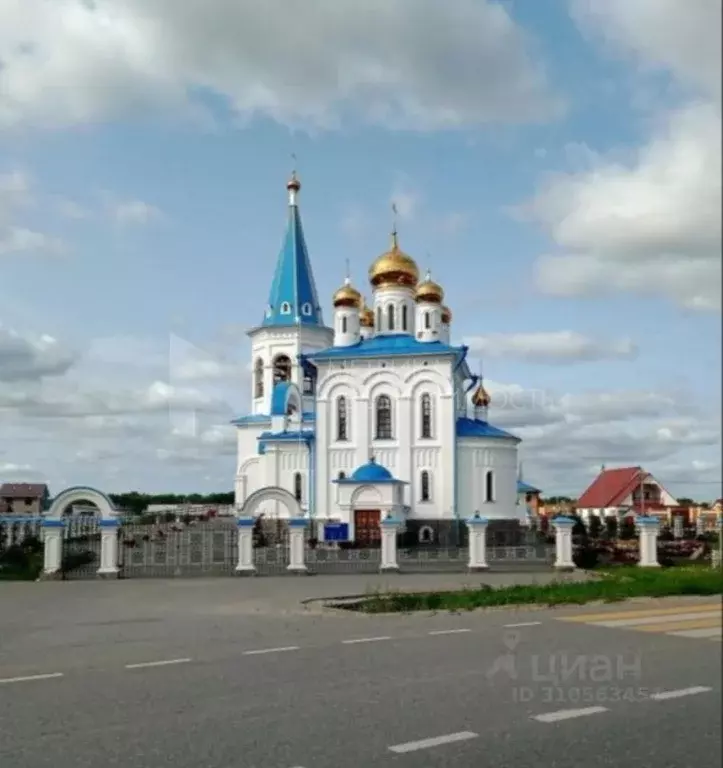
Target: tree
{"x":595,"y":527}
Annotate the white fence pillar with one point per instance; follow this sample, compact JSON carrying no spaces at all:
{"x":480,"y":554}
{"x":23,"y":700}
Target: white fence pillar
{"x":477,"y":527}
{"x":677,"y":526}
{"x":390,"y":528}
{"x":108,"y":547}
{"x":563,"y":543}
{"x":52,"y":546}
{"x":297,"y":528}
{"x":245,"y":563}
{"x":648,"y":541}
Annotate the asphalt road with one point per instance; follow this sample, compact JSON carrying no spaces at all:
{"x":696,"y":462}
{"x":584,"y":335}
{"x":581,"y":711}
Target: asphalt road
{"x":147,"y":683}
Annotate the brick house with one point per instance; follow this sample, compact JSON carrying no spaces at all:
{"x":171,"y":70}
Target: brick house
{"x":23,"y":498}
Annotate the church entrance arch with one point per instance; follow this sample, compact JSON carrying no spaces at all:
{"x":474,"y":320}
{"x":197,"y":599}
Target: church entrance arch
{"x":271,"y":532}
{"x":279,"y":495}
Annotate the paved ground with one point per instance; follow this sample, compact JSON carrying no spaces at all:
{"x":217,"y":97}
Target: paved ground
{"x":192,"y":674}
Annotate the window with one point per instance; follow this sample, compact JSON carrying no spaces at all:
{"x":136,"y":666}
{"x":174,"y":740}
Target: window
{"x":306,"y":309}
{"x":404,"y":317}
{"x":342,"y":423}
{"x":379,"y":318}
{"x":427,"y":321}
{"x":426,"y":535}
{"x":297,"y":486}
{"x":489,"y":486}
{"x":383,"y":413}
{"x":286,"y":308}
{"x":390,"y":317}
{"x":341,"y":476}
{"x":259,"y":378}
{"x":343,"y":324}
{"x":309,"y":382}
{"x":426,"y":408}
{"x":424,"y":494}
{"x":282,"y":369}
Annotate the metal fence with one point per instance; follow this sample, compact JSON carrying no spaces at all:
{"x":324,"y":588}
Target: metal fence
{"x":81,"y":547}
{"x":343,"y":560}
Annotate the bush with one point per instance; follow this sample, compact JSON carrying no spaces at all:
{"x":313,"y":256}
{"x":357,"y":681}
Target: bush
{"x":627,"y":530}
{"x":611,"y":527}
{"x":586,"y":557}
{"x":595,"y":527}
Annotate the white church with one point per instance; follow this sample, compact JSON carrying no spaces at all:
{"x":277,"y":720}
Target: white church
{"x":377,"y":415}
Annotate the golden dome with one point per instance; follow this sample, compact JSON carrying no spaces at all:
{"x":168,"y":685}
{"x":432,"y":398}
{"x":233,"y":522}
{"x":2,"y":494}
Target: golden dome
{"x":481,"y":397}
{"x":347,"y":296}
{"x":446,"y":315}
{"x":366,"y":318}
{"x":429,"y":291}
{"x":293,"y":184}
{"x":394,"y":267}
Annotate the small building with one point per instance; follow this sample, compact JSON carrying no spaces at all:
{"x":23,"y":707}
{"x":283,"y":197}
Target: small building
{"x":22,"y":499}
{"x":626,"y":491}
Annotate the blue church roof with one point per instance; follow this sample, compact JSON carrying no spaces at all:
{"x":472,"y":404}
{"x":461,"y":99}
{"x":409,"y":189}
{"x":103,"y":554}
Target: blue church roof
{"x":293,"y":299}
{"x":478,"y":428}
{"x":388,"y":345}
{"x":523,"y":487}
{"x":371,"y":472}
{"x":278,"y":398}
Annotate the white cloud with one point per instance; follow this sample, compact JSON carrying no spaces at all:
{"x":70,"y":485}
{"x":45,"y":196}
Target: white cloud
{"x":135,"y":212}
{"x":25,"y":357}
{"x":415,"y":64}
{"x":649,"y":224}
{"x":561,"y":347}
{"x":681,"y":37}
{"x":70,"y":209}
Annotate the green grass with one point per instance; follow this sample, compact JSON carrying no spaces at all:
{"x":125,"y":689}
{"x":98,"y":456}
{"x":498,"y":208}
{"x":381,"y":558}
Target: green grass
{"x":613,"y":585}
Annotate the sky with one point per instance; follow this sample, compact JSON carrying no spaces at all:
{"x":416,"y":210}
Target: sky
{"x":556,"y":164}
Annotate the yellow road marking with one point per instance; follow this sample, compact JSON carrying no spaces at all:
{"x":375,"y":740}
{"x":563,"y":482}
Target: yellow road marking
{"x":670,"y":626}
{"x":715,"y":608}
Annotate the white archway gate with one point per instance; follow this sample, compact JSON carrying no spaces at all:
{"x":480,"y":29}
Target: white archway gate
{"x":95,"y":534}
{"x":271,"y":545}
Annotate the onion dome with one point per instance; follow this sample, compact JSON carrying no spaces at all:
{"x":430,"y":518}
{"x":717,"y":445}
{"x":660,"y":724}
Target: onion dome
{"x":293,"y":184}
{"x":429,"y":291}
{"x":394,"y":267}
{"x":366,"y":317}
{"x":347,"y":296}
{"x":446,"y":315}
{"x":481,"y":397}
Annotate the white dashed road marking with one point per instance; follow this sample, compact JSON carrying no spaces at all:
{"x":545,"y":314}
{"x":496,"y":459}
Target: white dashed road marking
{"x":663,"y":695}
{"x":449,"y":631}
{"x":161,"y":663}
{"x":523,"y":624}
{"x":29,"y":678}
{"x":272,"y":650}
{"x":366,"y":640}
{"x":437,"y":741}
{"x":568,"y":714}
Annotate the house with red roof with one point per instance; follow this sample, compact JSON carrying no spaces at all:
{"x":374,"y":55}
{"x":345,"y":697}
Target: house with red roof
{"x":624,"y":492}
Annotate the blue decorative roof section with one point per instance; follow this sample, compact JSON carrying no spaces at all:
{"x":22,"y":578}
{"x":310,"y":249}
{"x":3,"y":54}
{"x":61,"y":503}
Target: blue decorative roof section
{"x":523,"y":487}
{"x":302,"y":437}
{"x":371,"y":472}
{"x":265,"y":418}
{"x":478,"y":428}
{"x":390,"y":345}
{"x":293,"y":299}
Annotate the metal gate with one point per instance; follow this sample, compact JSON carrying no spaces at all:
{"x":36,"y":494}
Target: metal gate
{"x":81,"y":547}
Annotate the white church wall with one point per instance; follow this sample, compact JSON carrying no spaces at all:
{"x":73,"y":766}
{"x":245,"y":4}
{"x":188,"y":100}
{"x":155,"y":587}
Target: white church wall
{"x":476,"y":458}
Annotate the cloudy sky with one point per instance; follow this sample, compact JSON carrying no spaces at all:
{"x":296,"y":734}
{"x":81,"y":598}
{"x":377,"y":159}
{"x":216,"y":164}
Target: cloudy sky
{"x":556,"y":164}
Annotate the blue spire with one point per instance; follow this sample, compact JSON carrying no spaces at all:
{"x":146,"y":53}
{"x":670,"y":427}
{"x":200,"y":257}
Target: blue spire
{"x":293,"y":299}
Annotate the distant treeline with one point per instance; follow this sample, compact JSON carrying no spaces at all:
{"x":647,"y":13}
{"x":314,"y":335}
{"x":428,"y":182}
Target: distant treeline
{"x":136,"y":503}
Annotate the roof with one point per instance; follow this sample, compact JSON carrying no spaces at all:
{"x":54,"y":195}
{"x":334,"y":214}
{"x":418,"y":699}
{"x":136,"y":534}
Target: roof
{"x":371,"y":472}
{"x":523,"y":487}
{"x":610,"y":488}
{"x":293,"y":299}
{"x":278,"y":398}
{"x":388,"y":345}
{"x":23,"y":490}
{"x":478,"y":428}
{"x":265,"y":418}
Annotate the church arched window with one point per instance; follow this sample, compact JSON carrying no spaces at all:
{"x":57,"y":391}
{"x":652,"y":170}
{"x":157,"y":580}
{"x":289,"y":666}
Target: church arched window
{"x":282,"y":368}
{"x":405,"y":312}
{"x":286,"y":308}
{"x":297,"y":486}
{"x":341,"y":476}
{"x":489,"y":486}
{"x":424,"y":487}
{"x":342,"y":419}
{"x":390,"y":317}
{"x":310,"y":381}
{"x":259,"y":378}
{"x":427,"y":321}
{"x":344,"y":324}
{"x":383,"y":418}
{"x":426,"y":415}
{"x":306,"y":309}
{"x":379,"y":318}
